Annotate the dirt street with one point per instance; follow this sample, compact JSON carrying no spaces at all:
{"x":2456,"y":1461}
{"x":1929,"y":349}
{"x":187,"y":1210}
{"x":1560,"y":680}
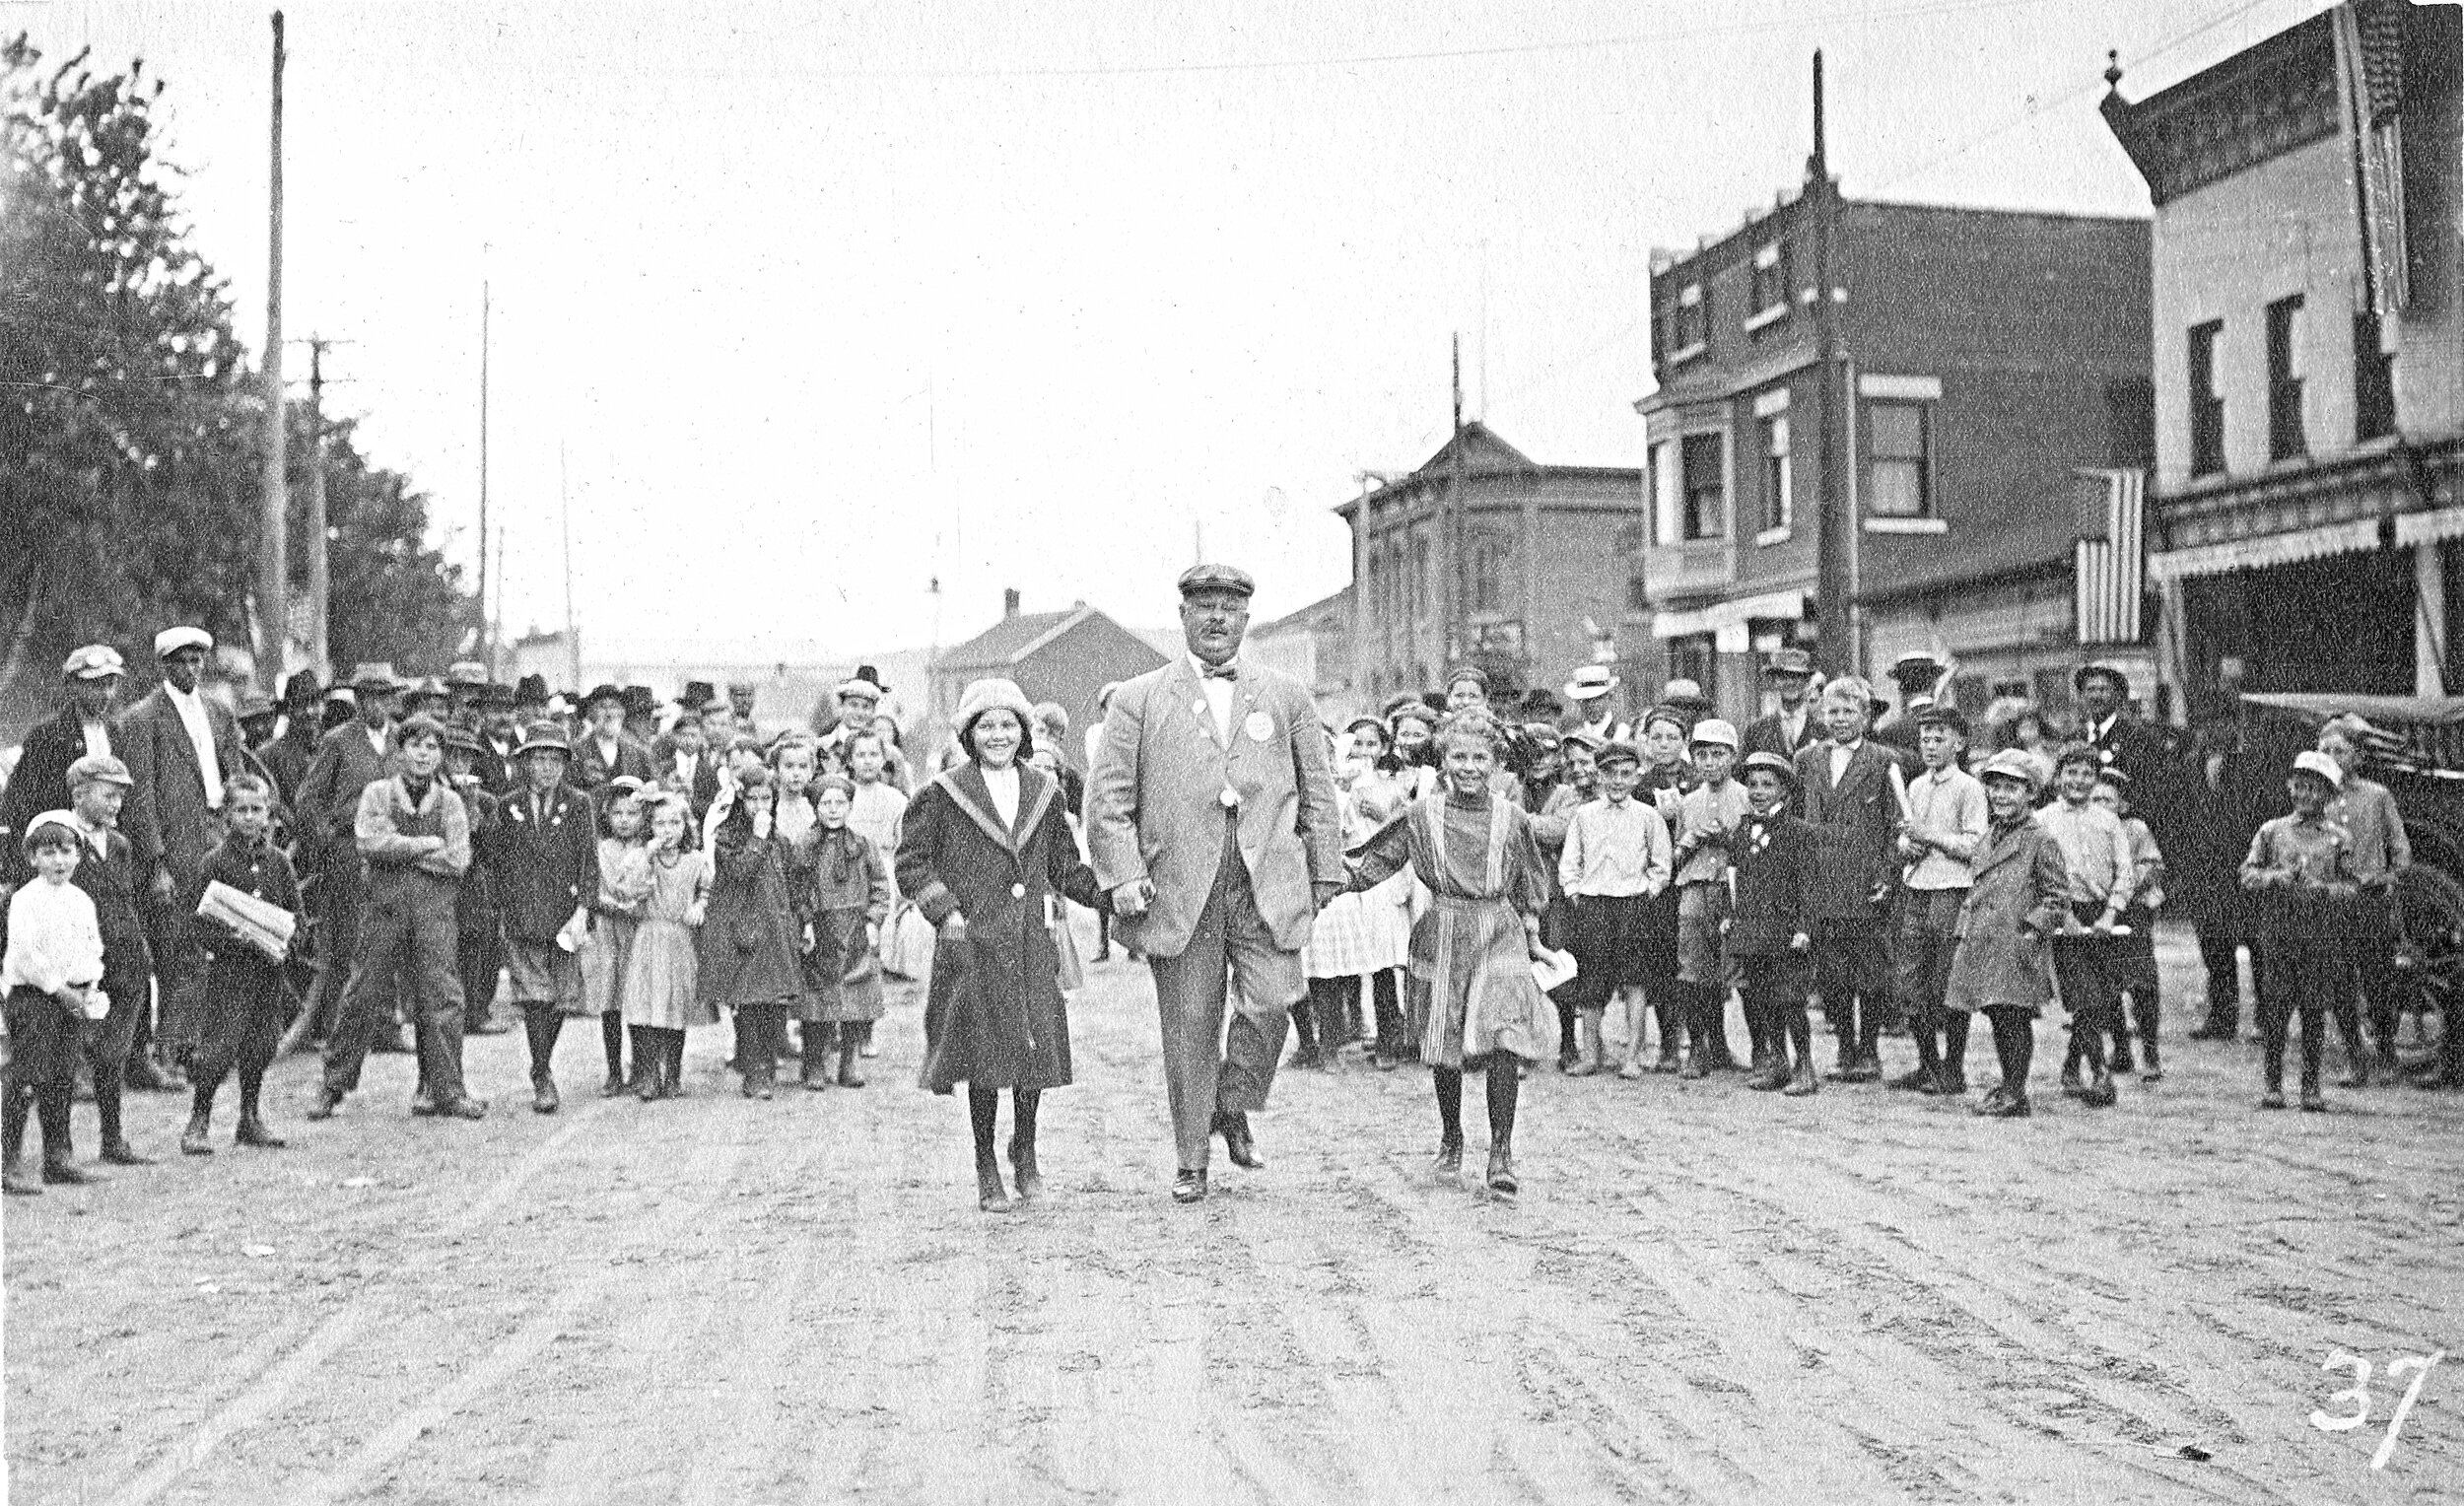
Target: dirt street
{"x":1705,"y":1294}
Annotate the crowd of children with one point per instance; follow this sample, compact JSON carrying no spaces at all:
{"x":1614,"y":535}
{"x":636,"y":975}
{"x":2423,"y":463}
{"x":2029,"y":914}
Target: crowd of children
{"x":658,"y":882}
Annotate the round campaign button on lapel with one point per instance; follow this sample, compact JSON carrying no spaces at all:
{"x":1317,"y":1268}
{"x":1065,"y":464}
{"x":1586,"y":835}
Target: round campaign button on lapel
{"x":1018,"y":891}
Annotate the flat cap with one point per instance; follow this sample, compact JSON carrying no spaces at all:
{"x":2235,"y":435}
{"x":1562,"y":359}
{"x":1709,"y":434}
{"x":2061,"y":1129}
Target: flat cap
{"x":2312,"y":761}
{"x":1217,"y":578}
{"x":95,"y":662}
{"x":100,"y":769}
{"x":172,"y":640}
{"x":1716,"y":733}
{"x":2013,"y":764}
{"x":1616,"y":749}
{"x":1941,"y":714}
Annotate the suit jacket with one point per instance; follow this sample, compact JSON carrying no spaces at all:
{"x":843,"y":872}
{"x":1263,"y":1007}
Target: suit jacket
{"x":1775,"y":885}
{"x":287,"y":759}
{"x":327,"y":802}
{"x":591,"y":770}
{"x":1853,"y":823}
{"x":2018,"y":900}
{"x":166,"y":817}
{"x":1768,"y":734}
{"x":1154,"y":806}
{"x":542,"y":866}
{"x":2152,"y":758}
{"x":703,"y":787}
{"x":39,"y":784}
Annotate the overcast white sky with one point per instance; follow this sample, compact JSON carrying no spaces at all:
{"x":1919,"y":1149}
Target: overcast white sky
{"x":826,"y":300}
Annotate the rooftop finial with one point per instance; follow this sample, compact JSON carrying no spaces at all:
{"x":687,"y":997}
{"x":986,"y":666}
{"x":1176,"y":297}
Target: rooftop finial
{"x":2113,"y":72}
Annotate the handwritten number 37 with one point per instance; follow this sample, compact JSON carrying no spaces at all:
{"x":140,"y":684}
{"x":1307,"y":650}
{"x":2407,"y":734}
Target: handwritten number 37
{"x":2359,"y":1393}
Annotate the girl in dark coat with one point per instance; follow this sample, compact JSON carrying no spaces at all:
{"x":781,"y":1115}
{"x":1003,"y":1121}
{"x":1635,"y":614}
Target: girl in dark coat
{"x":986,"y":856}
{"x":749,"y":941}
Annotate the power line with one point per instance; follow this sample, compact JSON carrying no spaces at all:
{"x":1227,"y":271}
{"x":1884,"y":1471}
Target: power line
{"x":1368,"y":59}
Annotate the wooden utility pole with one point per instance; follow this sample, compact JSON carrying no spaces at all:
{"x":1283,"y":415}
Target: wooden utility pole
{"x":320,"y":581}
{"x":1457,"y":642}
{"x":486,"y":641}
{"x":1836,"y":647}
{"x":273,"y":565}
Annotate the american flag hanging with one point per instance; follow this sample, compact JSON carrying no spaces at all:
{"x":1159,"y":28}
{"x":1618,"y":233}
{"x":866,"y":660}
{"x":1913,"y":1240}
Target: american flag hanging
{"x":2110,"y":564}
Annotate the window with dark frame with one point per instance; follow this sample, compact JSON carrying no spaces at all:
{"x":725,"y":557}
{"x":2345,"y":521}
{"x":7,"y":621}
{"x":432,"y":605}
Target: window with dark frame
{"x":1770,"y":280}
{"x":1706,"y":487}
{"x":1778,"y":502}
{"x":1689,"y":321}
{"x":2207,"y":403}
{"x":1899,"y":467}
{"x":2373,"y":381}
{"x":2285,"y":438}
{"x":1488,"y":572}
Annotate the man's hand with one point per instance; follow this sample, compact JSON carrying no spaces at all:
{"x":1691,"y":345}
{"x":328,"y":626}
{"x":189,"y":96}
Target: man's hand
{"x":1322,"y":893}
{"x":1801,"y":943}
{"x":1130,"y":900}
{"x":161,"y":886}
{"x":955,"y":928}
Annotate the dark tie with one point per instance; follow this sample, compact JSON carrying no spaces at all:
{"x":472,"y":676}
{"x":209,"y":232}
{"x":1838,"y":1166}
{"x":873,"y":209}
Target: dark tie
{"x":1223,"y":672}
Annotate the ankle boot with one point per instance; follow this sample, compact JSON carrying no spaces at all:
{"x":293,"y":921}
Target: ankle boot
{"x":849,"y":1077}
{"x":2152,"y":1068}
{"x":990,"y":1195}
{"x":252,"y":1131}
{"x":2312,"y":1100}
{"x":816,"y":1072}
{"x":1802,"y":1083}
{"x":1502,"y":1182}
{"x":1584,"y":1049}
{"x":1022,"y":1167}
{"x":196,"y":1140}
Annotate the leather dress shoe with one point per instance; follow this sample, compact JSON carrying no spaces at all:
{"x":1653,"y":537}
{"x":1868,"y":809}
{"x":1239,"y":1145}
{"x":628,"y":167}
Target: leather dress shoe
{"x":327,"y":1100}
{"x":62,"y":1174}
{"x":1237,"y":1144}
{"x":121,"y":1153}
{"x":422,"y":1103}
{"x":1449,"y":1160}
{"x":543,"y":1099}
{"x":252,"y":1132}
{"x":465,"y":1107}
{"x":1189,"y":1187}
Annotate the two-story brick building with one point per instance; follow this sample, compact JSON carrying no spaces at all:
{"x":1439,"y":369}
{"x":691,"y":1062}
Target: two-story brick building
{"x":2310,"y":352}
{"x":1546,"y":568}
{"x":1984,"y":359}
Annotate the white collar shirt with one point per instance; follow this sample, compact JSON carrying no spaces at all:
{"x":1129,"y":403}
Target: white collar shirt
{"x":97,"y":739}
{"x":1218,"y":693}
{"x":1003,"y":786}
{"x":375,"y":737}
{"x":191,"y":709}
{"x":1841,"y":753}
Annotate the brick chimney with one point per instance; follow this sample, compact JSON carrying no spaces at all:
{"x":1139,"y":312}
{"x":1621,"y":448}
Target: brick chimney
{"x":1009,"y":602}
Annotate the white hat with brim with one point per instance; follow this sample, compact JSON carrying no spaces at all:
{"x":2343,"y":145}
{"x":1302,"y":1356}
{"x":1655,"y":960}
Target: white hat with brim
{"x":1713,"y":730}
{"x":2312,"y":761}
{"x":172,"y":640}
{"x":1591,"y":682}
{"x":2013,"y":764}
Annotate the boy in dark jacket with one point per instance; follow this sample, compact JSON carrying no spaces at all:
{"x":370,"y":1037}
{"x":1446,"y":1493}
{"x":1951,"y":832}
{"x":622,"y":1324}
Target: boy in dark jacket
{"x":2300,"y":868}
{"x":543,"y":866}
{"x":1772,"y":924}
{"x":248,"y":993}
{"x":111,"y":877}
{"x":478,"y":946}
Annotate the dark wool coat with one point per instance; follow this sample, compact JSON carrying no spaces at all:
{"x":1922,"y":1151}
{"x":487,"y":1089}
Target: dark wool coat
{"x":2021,"y":896}
{"x":166,"y":817}
{"x":1775,"y":892}
{"x":327,"y":801}
{"x":749,"y":942}
{"x":1854,"y":824}
{"x":543,"y":862}
{"x":995,"y":1017}
{"x":40,"y":782}
{"x":591,"y":770}
{"x":474,"y":909}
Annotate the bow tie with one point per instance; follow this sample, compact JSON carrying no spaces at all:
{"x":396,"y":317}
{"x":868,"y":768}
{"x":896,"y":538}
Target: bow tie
{"x":1223,"y":672}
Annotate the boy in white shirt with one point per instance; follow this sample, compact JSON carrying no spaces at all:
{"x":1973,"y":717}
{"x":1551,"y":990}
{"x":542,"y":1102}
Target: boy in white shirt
{"x":52,"y":975}
{"x":1615,"y":862}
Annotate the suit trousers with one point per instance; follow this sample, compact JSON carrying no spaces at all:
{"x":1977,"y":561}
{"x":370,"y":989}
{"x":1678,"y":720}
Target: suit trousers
{"x":479,"y":956}
{"x":1852,"y":973}
{"x":1209,"y":1070}
{"x":406,"y":932}
{"x":178,"y":968}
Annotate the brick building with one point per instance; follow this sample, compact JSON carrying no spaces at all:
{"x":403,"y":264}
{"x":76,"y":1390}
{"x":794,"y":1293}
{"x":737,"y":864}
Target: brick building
{"x":2310,"y":352}
{"x":1984,"y":359}
{"x":1546,"y":569}
{"x":1065,"y":657}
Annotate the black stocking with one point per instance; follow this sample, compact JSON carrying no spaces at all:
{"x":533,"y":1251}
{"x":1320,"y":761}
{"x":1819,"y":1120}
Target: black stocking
{"x":1504,"y":1085}
{"x":2015,"y":1042}
{"x":1449,"y":1080}
{"x":1023,"y":1102}
{"x":982,"y":1106}
{"x":1954,"y":1042}
{"x":612,"y":1041}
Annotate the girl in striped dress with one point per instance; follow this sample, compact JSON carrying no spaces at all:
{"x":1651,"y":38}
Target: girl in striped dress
{"x":1475,"y":1003}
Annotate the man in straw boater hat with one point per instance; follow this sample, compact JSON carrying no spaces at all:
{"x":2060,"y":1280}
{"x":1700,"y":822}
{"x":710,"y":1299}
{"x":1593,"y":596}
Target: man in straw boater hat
{"x":1214,"y":829}
{"x":1593,"y":691}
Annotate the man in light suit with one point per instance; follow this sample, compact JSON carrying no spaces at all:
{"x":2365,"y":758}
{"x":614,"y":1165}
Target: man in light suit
{"x":1847,"y":795}
{"x":180,"y":746}
{"x":1212,"y":821}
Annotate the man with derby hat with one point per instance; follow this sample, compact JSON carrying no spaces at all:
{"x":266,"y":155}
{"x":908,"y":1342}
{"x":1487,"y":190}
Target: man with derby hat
{"x":179,"y":745}
{"x":1918,"y":675}
{"x":323,"y":814}
{"x":1214,"y":829}
{"x":1592,"y":691}
{"x":1791,"y":728}
{"x":89,"y":682}
{"x":605,"y":750}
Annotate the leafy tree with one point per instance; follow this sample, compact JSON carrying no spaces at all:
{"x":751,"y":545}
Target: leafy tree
{"x":130,"y":417}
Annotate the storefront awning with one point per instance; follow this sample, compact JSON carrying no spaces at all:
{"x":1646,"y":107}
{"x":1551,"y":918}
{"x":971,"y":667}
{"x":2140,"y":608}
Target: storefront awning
{"x":2274,"y":549}
{"x":2433,"y":527}
{"x":1788,"y":606}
